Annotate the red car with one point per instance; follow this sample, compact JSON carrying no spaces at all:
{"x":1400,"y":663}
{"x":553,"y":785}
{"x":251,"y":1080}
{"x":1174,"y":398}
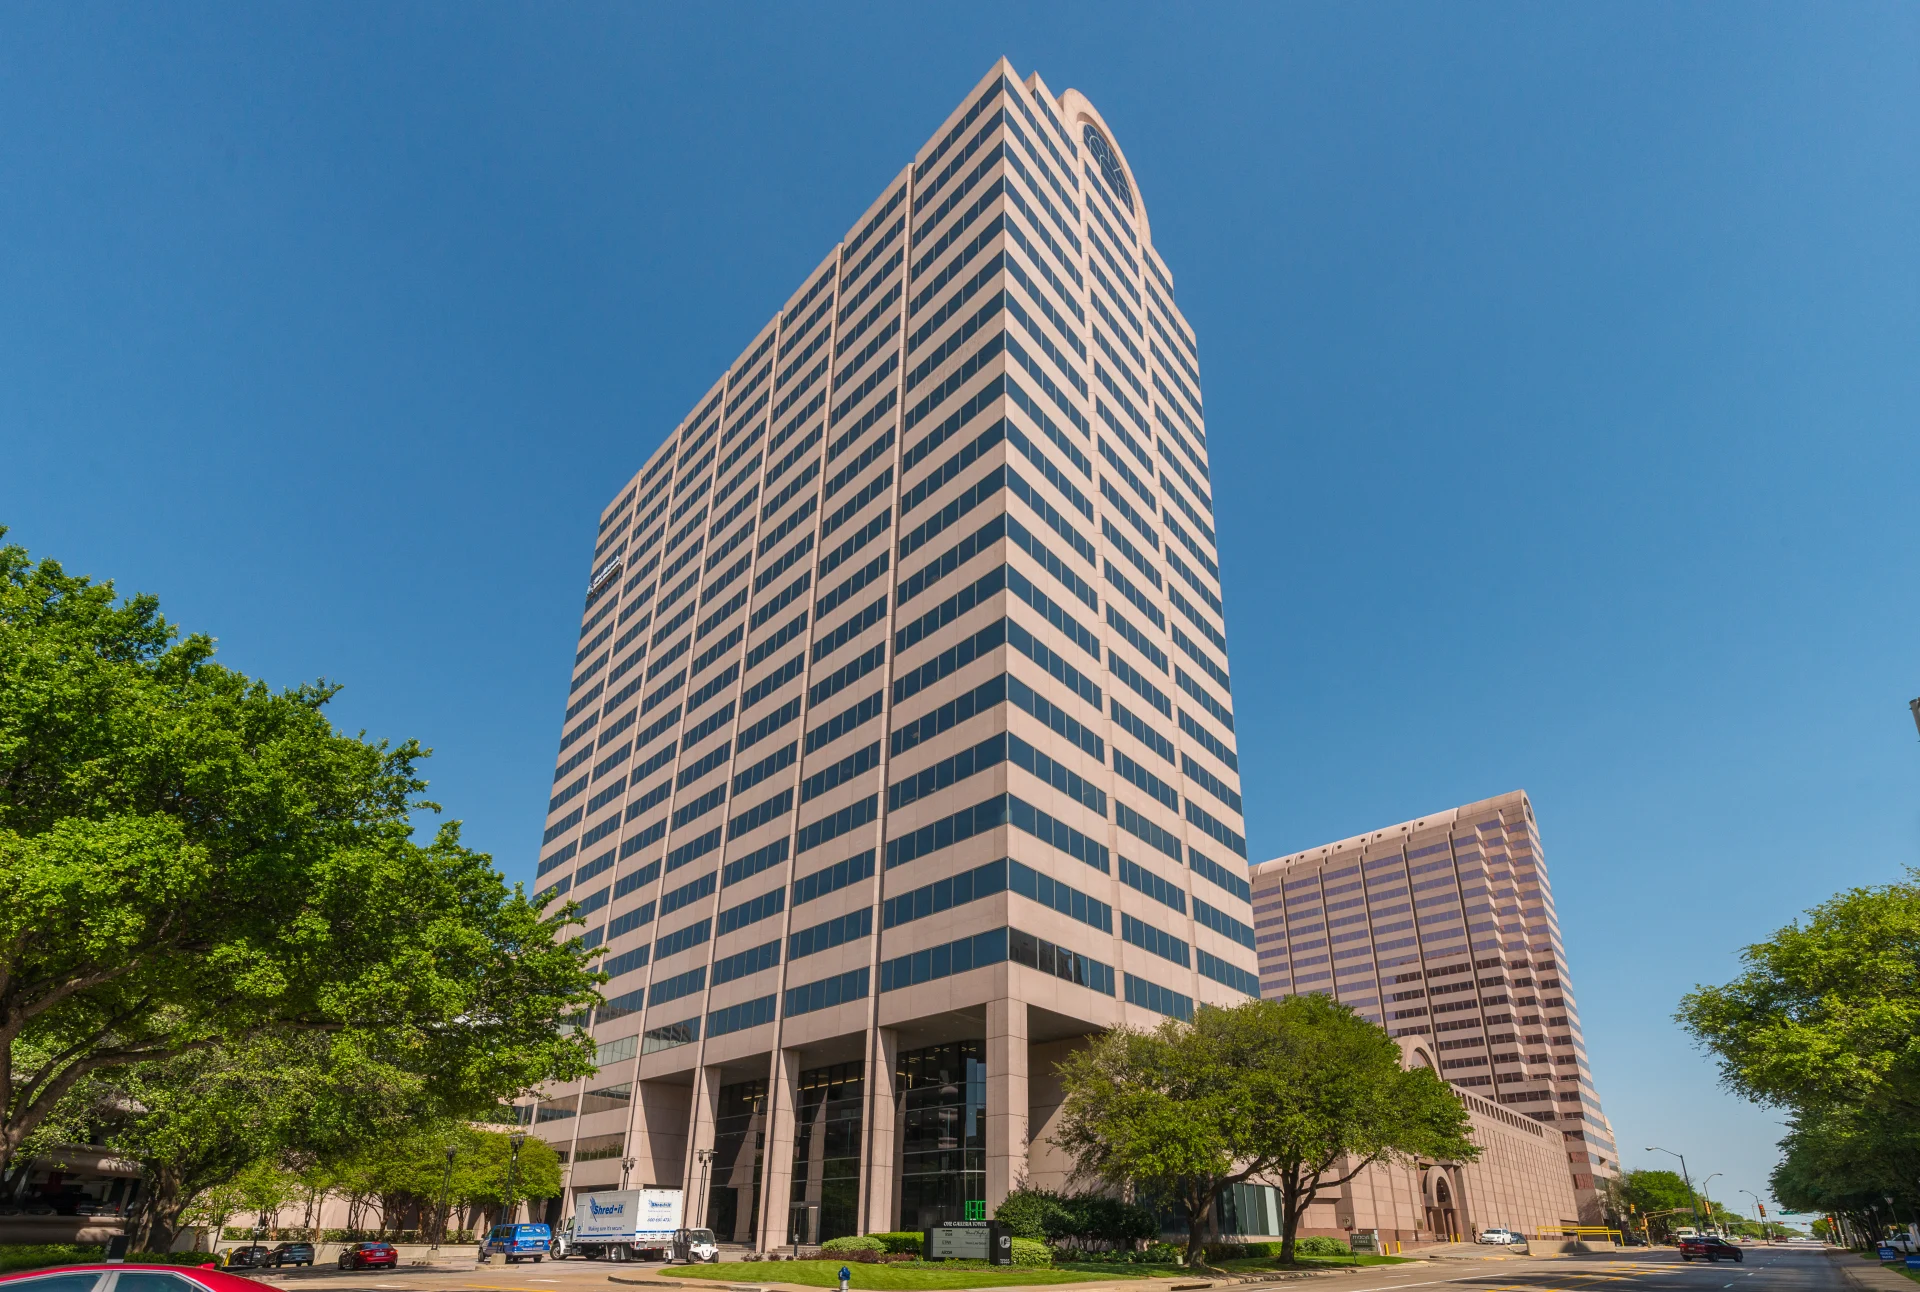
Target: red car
{"x":368,"y":1256}
{"x":1711,"y":1247}
{"x":128,"y":1278}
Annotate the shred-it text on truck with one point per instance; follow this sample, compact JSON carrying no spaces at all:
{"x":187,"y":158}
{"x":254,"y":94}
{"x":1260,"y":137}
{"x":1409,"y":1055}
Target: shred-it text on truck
{"x":634,"y":1225}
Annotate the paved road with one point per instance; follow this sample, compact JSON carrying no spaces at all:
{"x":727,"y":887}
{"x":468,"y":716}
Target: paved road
{"x":1766,"y":1269}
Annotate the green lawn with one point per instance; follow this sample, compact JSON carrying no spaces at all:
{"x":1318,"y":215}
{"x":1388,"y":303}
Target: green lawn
{"x":897,"y":1277}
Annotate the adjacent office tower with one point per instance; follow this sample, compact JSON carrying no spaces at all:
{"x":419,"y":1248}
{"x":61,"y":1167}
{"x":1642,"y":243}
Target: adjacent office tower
{"x":899,"y":755}
{"x":1444,"y":928}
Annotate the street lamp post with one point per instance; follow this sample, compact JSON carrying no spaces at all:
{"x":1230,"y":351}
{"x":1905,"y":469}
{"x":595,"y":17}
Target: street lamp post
{"x":706,"y":1156}
{"x":446,"y":1201}
{"x":626,"y":1169}
{"x":1692,"y":1199}
{"x":1705,"y":1198}
{"x":513,"y":1167}
{"x":1759,"y":1211}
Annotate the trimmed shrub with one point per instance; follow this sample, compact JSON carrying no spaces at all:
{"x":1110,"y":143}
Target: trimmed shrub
{"x":1028,"y":1251}
{"x":1165,"y":1254}
{"x":1317,"y":1245}
{"x":1080,"y":1220}
{"x":33,"y":1256}
{"x":1029,"y":1213}
{"x":850,"y":1244}
{"x":901,"y":1241}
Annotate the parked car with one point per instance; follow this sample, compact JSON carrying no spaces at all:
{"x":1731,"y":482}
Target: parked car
{"x":517,"y":1242}
{"x":290,"y":1254}
{"x":1500,"y":1237}
{"x":368,"y":1256}
{"x":245,"y":1258}
{"x":130,"y":1278}
{"x":1711,"y":1247}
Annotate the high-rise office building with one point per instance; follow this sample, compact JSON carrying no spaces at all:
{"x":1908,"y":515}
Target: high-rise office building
{"x":1443,"y":930}
{"x":899,"y":755}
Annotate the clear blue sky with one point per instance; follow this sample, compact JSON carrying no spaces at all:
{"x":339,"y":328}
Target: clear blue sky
{"x":1561,"y":366}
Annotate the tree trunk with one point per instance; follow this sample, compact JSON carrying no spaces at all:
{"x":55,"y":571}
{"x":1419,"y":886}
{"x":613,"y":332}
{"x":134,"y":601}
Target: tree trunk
{"x":158,"y":1219}
{"x":1196,"y":1242}
{"x":1293,"y":1205}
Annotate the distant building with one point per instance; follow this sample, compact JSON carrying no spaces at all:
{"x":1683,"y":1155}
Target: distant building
{"x":1443,"y":931}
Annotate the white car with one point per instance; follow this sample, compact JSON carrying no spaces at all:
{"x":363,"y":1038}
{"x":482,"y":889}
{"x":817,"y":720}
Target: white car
{"x":1500,"y":1237}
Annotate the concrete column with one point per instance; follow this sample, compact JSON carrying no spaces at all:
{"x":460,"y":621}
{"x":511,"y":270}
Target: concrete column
{"x":1006,"y":1099}
{"x":706,"y":1105}
{"x":776,"y":1170}
{"x":880,"y":1163}
{"x":1467,"y":1210}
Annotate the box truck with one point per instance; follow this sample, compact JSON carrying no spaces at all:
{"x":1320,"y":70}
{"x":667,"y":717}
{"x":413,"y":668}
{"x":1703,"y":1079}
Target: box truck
{"x":633,"y":1225}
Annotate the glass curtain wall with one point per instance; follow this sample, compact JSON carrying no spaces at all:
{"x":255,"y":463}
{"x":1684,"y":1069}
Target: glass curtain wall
{"x":739,"y":1143}
{"x":943,"y":1120}
{"x":826,"y":1153}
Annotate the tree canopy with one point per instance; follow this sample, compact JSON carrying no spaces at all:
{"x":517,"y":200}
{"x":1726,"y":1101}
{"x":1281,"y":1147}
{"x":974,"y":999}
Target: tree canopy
{"x":1824,"y":1023}
{"x":194,"y":861}
{"x":1662,"y":1195}
{"x":1300,"y":1093}
{"x":1827,"y":1012}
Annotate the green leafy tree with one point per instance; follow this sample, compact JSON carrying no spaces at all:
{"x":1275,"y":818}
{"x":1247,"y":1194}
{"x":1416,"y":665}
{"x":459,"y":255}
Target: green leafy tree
{"x":192,"y":859}
{"x":1661,"y":1198}
{"x":1300,"y":1093}
{"x":1845,"y":1163}
{"x":245,"y":1114}
{"x":410,"y":1170}
{"x":1822,"y":1023}
{"x":1826,"y":1012}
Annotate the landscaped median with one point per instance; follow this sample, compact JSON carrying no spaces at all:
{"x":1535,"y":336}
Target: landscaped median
{"x":902,"y":1276}
{"x":898,"y":1276}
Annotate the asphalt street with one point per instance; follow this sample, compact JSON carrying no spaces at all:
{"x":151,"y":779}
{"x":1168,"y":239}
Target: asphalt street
{"x":1774,"y":1269}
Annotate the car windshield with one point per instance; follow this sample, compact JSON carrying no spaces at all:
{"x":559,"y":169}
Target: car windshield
{"x":699,"y":1235}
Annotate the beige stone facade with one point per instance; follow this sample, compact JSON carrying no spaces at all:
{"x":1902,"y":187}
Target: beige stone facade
{"x":1443,"y":931}
{"x":1520,"y":1181}
{"x":899,"y":751}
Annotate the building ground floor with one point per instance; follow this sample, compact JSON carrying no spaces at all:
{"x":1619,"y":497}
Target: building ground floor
{"x":882,"y":1129}
{"x":938,"y":1118}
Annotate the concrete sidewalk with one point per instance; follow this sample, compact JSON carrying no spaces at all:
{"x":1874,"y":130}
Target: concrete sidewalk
{"x":1870,"y":1276}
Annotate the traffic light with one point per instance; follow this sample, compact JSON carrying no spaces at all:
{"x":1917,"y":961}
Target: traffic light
{"x":1763,"y":1211}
